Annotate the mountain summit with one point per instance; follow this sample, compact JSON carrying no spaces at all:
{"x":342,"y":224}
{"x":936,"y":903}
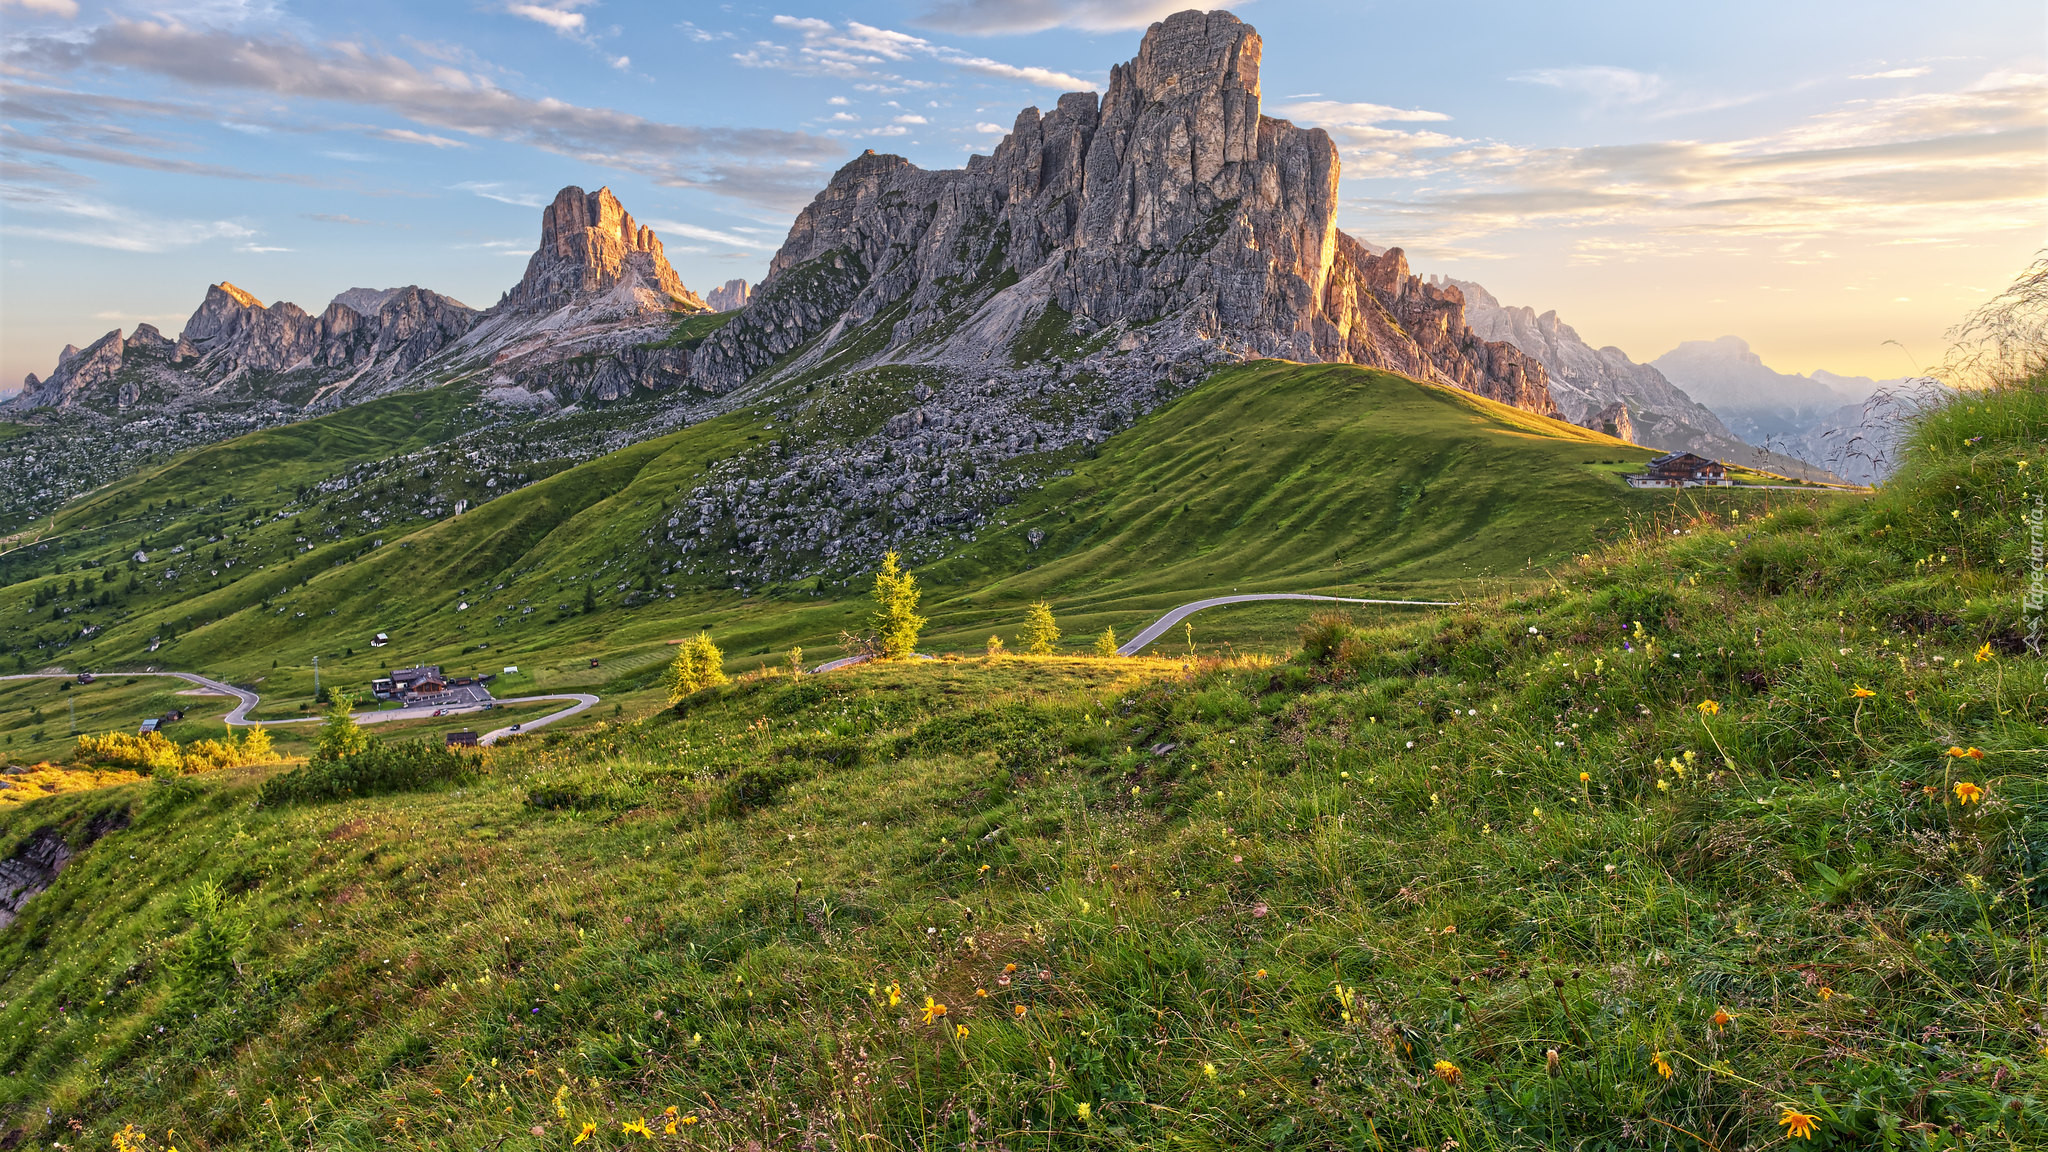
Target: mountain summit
{"x":590,"y":246}
{"x":1169,"y":222}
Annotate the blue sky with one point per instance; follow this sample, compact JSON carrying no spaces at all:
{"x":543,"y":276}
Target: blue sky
{"x":1836,"y":183}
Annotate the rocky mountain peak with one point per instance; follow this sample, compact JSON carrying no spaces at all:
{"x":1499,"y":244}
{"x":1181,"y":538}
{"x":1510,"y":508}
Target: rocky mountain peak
{"x":1170,"y":208}
{"x":729,"y":295}
{"x":590,"y":246}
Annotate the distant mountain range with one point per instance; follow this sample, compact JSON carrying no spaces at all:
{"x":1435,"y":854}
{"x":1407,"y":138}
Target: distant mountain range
{"x":1848,"y":424}
{"x":1110,"y":252}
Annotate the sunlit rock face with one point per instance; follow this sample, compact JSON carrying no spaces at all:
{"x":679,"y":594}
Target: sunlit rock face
{"x":1168,"y":208}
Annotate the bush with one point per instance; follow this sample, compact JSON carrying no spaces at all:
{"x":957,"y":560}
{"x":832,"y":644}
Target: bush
{"x":378,"y":769}
{"x":752,"y":788}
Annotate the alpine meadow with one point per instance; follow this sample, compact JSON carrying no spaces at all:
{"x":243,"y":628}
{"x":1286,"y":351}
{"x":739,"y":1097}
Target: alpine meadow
{"x":1085,"y":653}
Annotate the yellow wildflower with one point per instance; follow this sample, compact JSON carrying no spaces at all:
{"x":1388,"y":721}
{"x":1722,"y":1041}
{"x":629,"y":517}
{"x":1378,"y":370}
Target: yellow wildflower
{"x":1798,"y":1125}
{"x":669,"y":1114}
{"x":1971,"y":753}
{"x":1710,"y":707}
{"x":895,"y":995}
{"x":933,"y":1010}
{"x":1861,"y":693}
{"x":960,"y":1031}
{"x":1585,"y":777}
{"x":589,"y":1130}
{"x":1450,"y":1073}
{"x":1723,"y":1018}
{"x":1082,"y":1110}
{"x":1968,"y":793}
{"x":1019,"y":1010}
{"x":637,"y":1128}
{"x":981,"y":992}
{"x":1663,"y":1065}
{"x":1984,"y":653}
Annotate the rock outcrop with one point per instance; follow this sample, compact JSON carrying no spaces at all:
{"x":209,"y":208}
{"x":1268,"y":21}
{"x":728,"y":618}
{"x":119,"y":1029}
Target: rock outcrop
{"x":1170,"y":214}
{"x":728,"y":296}
{"x":593,"y":316}
{"x":590,"y":247}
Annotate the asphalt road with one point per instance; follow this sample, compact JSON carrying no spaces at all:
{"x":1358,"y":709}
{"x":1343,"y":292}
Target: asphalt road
{"x":246,"y":700}
{"x":1159,"y":627}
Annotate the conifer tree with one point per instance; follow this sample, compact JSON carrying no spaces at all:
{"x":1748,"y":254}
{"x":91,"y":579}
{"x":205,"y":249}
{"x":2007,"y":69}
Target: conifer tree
{"x":1041,"y":631}
{"x":340,"y":737}
{"x":698,"y":665}
{"x":895,"y":619}
{"x":995,"y":647}
{"x":1105,"y":644}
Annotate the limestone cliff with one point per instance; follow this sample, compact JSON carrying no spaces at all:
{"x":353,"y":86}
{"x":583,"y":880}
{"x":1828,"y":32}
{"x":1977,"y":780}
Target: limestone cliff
{"x":591,"y":316}
{"x":1170,"y":214}
{"x":590,"y":246}
{"x":728,"y":296}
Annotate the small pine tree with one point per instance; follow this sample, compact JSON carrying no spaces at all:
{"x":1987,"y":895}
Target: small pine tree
{"x":589,"y":596}
{"x":895,"y":619}
{"x":698,"y":665}
{"x":256,"y":747}
{"x":995,"y":647}
{"x":1041,"y":631}
{"x":796,"y":661}
{"x":340,"y":737}
{"x":1105,"y":644}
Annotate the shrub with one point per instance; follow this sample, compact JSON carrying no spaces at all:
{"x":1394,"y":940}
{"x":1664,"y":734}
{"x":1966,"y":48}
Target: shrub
{"x":1323,"y":634}
{"x":378,"y":769}
{"x":752,"y":788}
{"x":1105,"y":644}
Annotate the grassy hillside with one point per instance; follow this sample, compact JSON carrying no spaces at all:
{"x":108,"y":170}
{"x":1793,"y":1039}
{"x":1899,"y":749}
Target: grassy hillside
{"x":1270,"y":477}
{"x":1729,"y":838}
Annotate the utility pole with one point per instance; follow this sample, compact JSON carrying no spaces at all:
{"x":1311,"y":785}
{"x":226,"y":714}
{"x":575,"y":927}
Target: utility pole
{"x":316,"y":678}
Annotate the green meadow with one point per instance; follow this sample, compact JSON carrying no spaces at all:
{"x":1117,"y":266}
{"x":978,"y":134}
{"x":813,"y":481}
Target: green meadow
{"x":1720,"y":825}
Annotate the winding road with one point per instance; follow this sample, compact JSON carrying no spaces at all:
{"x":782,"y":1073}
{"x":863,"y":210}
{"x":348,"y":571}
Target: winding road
{"x":1158,"y":627}
{"x":246,"y":700}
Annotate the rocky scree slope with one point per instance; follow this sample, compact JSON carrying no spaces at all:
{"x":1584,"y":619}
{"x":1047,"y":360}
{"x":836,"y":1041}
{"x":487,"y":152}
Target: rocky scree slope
{"x":1169,"y":223}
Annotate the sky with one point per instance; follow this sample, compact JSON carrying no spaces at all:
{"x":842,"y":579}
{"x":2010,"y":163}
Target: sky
{"x":1836,"y":183}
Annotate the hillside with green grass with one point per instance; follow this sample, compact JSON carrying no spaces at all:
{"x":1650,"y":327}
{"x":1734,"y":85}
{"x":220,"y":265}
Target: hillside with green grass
{"x":1267,"y":477}
{"x":1731,"y":834}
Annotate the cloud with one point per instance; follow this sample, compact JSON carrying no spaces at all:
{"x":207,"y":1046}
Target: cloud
{"x":993,"y":17}
{"x":259,"y":249}
{"x":335,"y":218}
{"x":1327,"y":112}
{"x":495,"y":192}
{"x":408,"y":136}
{"x":65,"y":8}
{"x":1869,"y":171}
{"x":73,"y":219}
{"x":857,"y":51}
{"x":747,"y":163}
{"x":909,"y":119}
{"x":1894,"y":74}
{"x":1608,"y":86}
{"x":997,"y":128}
{"x":559,"y":15}
{"x":696,"y":232}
